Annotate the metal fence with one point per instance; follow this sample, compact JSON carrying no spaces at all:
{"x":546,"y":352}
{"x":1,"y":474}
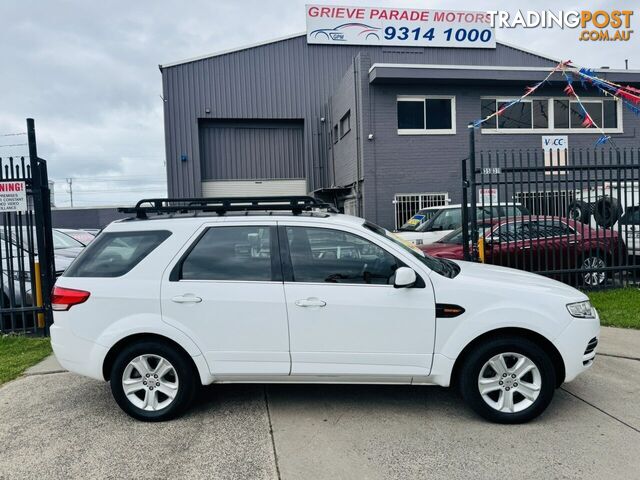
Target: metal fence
{"x":406,"y":205}
{"x":578,"y":221}
{"x":27,"y":269}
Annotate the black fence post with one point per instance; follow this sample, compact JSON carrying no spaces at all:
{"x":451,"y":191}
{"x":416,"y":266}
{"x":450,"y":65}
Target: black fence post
{"x":465,"y":212}
{"x":42,"y":212}
{"x":473,"y":254}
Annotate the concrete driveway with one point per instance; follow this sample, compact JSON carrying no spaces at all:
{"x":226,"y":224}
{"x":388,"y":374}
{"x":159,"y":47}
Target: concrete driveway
{"x":60,"y":425}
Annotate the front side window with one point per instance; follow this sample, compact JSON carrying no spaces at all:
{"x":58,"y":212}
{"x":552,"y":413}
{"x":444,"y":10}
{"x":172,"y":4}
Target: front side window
{"x":426,"y":115}
{"x":321,"y":255}
{"x":448,"y":219}
{"x":232,"y":253}
{"x":112,"y":254}
{"x":512,"y":232}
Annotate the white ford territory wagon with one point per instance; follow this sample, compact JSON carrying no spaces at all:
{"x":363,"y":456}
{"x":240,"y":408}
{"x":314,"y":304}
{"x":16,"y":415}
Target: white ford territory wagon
{"x":287,"y":291}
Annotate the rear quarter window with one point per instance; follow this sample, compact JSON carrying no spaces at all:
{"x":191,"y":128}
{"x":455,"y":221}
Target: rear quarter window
{"x":112,"y":254}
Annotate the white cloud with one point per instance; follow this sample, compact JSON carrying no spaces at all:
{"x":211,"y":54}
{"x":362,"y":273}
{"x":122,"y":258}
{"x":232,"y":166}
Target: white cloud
{"x":88,"y":73}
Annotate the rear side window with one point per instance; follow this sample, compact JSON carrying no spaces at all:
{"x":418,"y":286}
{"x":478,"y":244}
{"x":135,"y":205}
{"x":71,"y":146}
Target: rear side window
{"x":112,"y":254}
{"x":234,"y":253}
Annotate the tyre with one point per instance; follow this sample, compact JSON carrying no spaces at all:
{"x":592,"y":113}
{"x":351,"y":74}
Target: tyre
{"x":594,"y":274}
{"x":152,"y":381}
{"x":580,"y":211}
{"x":607,"y":211}
{"x":508,"y":380}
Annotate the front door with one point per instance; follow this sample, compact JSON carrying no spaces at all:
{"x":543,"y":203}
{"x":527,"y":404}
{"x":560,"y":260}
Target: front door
{"x":226,"y":293}
{"x":345,"y":316}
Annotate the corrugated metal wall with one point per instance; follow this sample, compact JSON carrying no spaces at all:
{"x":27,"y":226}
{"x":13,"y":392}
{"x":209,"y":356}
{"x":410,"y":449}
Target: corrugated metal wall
{"x":282,"y":80}
{"x":251,"y":150}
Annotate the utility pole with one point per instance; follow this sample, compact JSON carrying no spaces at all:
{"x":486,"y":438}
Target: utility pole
{"x":70,"y":185}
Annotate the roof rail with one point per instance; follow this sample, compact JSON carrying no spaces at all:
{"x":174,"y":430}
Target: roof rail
{"x":293,"y":204}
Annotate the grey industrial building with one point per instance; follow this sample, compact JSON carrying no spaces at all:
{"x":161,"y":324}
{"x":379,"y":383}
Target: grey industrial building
{"x":348,"y":122}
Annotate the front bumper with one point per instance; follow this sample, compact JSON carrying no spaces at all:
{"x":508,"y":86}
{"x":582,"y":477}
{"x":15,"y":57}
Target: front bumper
{"x":77,"y":354}
{"x":578,"y":344}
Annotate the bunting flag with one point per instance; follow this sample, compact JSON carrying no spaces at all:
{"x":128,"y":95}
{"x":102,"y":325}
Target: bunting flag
{"x":569,"y":90}
{"x":628,"y":95}
{"x":527,"y":91}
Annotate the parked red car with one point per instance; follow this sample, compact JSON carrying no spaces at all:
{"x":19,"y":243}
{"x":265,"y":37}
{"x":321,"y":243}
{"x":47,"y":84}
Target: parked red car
{"x":555,"y":246}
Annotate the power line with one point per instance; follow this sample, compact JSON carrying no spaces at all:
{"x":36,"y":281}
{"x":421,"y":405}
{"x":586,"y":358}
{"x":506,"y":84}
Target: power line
{"x":12,"y":134}
{"x":13,"y":145}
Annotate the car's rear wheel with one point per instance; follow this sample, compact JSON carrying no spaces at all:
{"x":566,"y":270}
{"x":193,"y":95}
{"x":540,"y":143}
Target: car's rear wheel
{"x":509,"y":380}
{"x":151,"y":381}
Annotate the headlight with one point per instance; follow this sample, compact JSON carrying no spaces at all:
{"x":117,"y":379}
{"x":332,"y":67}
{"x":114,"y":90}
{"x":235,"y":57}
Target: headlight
{"x":581,"y":309}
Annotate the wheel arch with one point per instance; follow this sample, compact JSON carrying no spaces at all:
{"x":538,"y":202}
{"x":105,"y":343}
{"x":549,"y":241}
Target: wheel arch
{"x":121,"y":344}
{"x":540,"y":340}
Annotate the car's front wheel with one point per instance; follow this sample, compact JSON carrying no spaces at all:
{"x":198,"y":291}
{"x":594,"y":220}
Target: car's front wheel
{"x":508,"y":380}
{"x":152,"y":381}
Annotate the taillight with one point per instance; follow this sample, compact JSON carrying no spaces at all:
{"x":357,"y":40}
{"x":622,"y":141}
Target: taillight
{"x":64,"y":298}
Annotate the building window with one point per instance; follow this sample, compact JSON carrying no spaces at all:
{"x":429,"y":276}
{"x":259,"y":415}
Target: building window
{"x":335,"y":134}
{"x":345,"y":124}
{"x":545,"y":115}
{"x":423,"y":115}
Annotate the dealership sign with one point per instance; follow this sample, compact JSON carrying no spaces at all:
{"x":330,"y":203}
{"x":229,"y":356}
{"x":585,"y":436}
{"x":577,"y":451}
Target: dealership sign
{"x":408,"y":27}
{"x":13,"y":196}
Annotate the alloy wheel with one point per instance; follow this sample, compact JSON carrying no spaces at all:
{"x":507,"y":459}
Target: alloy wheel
{"x":594,"y":278}
{"x":509,"y":382}
{"x":150,"y":382}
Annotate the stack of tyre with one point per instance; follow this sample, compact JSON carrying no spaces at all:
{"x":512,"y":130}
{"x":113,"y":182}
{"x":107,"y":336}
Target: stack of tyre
{"x":606,"y":212}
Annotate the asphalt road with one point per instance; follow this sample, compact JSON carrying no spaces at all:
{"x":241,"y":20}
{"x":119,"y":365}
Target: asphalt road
{"x":60,"y":425}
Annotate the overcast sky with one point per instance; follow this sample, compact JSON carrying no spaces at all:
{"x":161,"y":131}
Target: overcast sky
{"x":88,"y":73}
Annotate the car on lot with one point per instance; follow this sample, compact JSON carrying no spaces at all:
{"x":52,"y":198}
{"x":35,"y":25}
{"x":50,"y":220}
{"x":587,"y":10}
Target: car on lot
{"x":82,"y":236}
{"x":289,"y":291}
{"x":421,"y":216}
{"x":542,"y":243}
{"x":445,"y":220}
{"x":19,"y":249}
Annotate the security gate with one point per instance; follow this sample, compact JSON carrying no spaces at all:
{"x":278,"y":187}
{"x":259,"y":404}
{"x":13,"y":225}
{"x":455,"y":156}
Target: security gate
{"x":27,"y":267}
{"x":577,"y":221}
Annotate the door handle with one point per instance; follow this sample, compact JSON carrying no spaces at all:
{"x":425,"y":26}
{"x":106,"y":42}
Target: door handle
{"x":525,"y":247}
{"x":310,"y":302}
{"x":187,"y":298}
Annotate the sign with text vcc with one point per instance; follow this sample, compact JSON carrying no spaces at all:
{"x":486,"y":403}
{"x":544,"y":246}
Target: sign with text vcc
{"x":407,"y":27}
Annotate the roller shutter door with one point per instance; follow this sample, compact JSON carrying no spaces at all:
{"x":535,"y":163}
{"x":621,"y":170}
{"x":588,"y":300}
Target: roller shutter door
{"x":253,"y":188}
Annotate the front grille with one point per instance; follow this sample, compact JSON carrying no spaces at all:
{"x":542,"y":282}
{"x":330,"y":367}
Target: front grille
{"x":591,"y":346}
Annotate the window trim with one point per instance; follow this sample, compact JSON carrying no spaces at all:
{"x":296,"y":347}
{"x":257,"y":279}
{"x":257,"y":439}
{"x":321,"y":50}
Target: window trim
{"x":347,"y":117}
{"x":287,"y":265}
{"x":276,"y":264}
{"x":551,"y":107}
{"x":427,"y":131}
{"x":93,"y":245}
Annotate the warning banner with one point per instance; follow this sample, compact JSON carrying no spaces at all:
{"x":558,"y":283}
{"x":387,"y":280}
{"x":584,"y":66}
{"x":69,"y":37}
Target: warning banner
{"x":13,"y":197}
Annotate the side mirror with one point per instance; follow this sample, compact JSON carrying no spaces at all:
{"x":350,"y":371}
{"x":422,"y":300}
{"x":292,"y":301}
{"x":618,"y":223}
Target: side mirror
{"x":405,"y":277}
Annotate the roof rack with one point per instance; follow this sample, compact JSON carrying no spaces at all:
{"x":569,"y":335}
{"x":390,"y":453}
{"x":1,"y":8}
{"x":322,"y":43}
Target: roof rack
{"x":293,"y":204}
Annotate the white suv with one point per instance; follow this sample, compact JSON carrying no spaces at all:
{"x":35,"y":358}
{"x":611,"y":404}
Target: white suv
{"x":290,"y":292}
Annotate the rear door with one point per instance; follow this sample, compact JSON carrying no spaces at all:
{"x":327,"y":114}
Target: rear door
{"x":345,"y":316}
{"x":225,"y":291}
